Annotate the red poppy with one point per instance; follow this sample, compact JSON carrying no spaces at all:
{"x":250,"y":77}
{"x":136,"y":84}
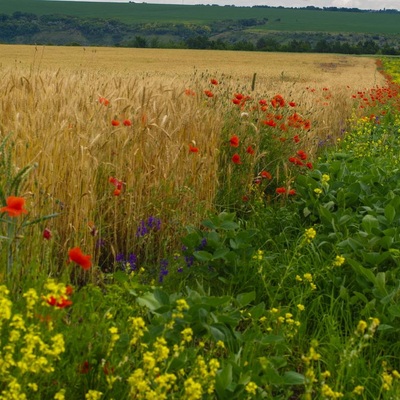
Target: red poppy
{"x":209,"y":93}
{"x":269,"y":122}
{"x":309,"y":165}
{"x":292,"y":104}
{"x":292,"y":192}
{"x":85,"y":367}
{"x":302,"y":155}
{"x":117,"y":183}
{"x":69,"y":290}
{"x":234,"y":141}
{"x":214,"y":82}
{"x":250,"y":150}
{"x":107,"y":369}
{"x":280,"y":190}
{"x":14,"y":207}
{"x":245,"y":198}
{"x":296,"y":138}
{"x":236,"y":159}
{"x":266,"y":175}
{"x":75,"y":254}
{"x":104,"y":101}
{"x":47,"y":234}
{"x":114,"y":122}
{"x":278,"y":101}
{"x":189,"y":92}
{"x":193,"y":149}
{"x":127,"y":122}
{"x":117,"y":192}
{"x":62,"y":303}
{"x":262,"y":102}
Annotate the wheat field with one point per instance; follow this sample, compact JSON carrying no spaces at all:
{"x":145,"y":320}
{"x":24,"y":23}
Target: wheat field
{"x":50,"y":108}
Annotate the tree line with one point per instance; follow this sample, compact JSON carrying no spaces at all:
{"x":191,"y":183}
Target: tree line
{"x":28,"y":28}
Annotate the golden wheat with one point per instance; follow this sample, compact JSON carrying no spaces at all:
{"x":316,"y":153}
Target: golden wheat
{"x":50,"y":103}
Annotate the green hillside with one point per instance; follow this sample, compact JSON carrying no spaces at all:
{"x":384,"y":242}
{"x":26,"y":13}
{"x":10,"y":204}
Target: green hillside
{"x":278,"y":19}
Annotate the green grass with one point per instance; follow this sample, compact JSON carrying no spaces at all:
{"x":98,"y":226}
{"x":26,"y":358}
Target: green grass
{"x":279,"y":19}
{"x":296,"y":298}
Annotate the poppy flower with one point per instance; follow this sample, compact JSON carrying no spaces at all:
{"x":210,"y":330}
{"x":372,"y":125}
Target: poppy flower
{"x":302,"y":155}
{"x":114,"y":122}
{"x":69,"y":290}
{"x":292,"y":104}
{"x":269,"y":122}
{"x":14,"y":207}
{"x":280,"y":190}
{"x":63,"y":302}
{"x":214,"y":82}
{"x":85,"y":367}
{"x":75,"y":255}
{"x":104,"y":101}
{"x":296,"y":138}
{"x":234,"y":141}
{"x":309,"y":165}
{"x":47,"y":234}
{"x":292,"y":192}
{"x":193,"y":149}
{"x":127,"y":122}
{"x":117,"y":192}
{"x":236,"y":159}
{"x":266,"y":175}
{"x":278,"y":101}
{"x":209,"y":93}
{"x":250,"y":150}
{"x":189,"y":92}
{"x":117,"y":183}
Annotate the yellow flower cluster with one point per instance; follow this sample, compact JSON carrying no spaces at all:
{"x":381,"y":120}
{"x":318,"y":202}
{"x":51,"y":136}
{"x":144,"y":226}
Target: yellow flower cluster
{"x":339,"y":261}
{"x":307,"y":277}
{"x":310,"y":234}
{"x":152,"y":379}
{"x":28,"y":350}
{"x":390,"y":378}
{"x":281,"y":322}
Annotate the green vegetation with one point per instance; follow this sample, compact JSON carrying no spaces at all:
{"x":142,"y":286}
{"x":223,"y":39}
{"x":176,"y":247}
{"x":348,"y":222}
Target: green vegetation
{"x":211,"y":27}
{"x":290,"y":288}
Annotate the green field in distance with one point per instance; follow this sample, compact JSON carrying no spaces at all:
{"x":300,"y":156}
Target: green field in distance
{"x":279,"y":19}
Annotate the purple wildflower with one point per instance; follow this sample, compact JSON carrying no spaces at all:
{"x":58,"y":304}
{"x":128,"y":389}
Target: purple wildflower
{"x":164,"y":270}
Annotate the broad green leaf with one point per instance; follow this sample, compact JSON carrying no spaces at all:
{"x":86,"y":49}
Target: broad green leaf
{"x":293,"y":378}
{"x":390,"y":213}
{"x":359,"y":269}
{"x":369,"y":222}
{"x":223,"y":380}
{"x":245,"y":298}
{"x":203,"y":256}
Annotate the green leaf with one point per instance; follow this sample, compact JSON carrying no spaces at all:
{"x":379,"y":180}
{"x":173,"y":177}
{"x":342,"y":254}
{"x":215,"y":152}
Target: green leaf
{"x":220,"y":253}
{"x":245,"y":298}
{"x":390,"y":213}
{"x":203,"y":256}
{"x":161,"y":297}
{"x":369,"y":222}
{"x":271,"y":339}
{"x":229,"y":225}
{"x":359,"y":269}
{"x":293,"y":378}
{"x":148,"y":300}
{"x":223,"y":380}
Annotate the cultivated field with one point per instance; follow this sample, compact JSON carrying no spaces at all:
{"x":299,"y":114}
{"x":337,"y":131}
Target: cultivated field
{"x":50,"y":104}
{"x":198,"y":225}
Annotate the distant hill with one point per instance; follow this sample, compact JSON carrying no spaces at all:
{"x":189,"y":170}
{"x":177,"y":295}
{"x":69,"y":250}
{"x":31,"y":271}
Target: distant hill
{"x":161,"y":25}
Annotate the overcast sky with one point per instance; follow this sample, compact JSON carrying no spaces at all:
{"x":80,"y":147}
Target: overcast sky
{"x":362,"y":4}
